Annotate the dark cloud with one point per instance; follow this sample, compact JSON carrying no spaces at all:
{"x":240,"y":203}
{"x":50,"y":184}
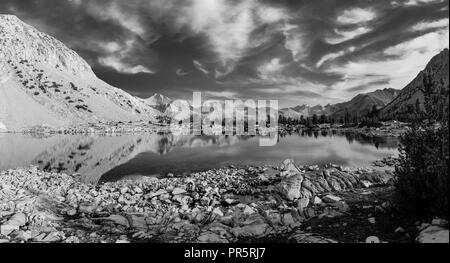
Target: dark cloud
{"x":298,"y":51}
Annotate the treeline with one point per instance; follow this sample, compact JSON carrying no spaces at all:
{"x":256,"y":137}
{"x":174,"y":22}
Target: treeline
{"x":370,"y":119}
{"x":309,"y":121}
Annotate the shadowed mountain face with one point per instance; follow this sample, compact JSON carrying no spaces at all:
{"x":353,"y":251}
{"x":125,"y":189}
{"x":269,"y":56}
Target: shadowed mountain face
{"x":437,"y":69}
{"x":363,"y":104}
{"x":42,"y":82}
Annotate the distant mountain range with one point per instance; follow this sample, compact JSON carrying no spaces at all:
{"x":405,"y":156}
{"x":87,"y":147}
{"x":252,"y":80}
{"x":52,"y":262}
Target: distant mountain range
{"x":388,"y":102}
{"x":43,"y":82}
{"x":360,"y":105}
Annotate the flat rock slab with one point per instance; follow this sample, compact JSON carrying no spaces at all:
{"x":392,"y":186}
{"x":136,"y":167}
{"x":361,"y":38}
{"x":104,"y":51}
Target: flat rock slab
{"x":433,"y":234}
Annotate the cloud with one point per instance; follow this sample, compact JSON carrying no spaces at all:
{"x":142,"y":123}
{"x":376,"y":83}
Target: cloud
{"x":199,"y":66}
{"x":322,"y":50}
{"x":356,"y":16}
{"x":407,"y":60}
{"x":421,"y":2}
{"x":119,"y":66}
{"x":117,"y":56}
{"x":438,"y":24}
{"x":270,"y":68}
{"x":181,"y":73}
{"x":228,"y":26}
{"x":340,"y":36}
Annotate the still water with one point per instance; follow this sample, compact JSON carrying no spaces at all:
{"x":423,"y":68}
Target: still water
{"x":109,"y":158}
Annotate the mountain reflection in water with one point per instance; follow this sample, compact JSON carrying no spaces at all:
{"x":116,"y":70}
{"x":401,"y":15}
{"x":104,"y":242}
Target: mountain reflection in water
{"x":108,"y":158}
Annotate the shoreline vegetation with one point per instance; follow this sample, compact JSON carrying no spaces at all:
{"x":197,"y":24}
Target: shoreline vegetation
{"x":288,"y":203}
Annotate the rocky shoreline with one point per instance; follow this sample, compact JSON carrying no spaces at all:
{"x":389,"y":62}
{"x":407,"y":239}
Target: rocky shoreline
{"x":110,"y":128}
{"x":289,"y":203}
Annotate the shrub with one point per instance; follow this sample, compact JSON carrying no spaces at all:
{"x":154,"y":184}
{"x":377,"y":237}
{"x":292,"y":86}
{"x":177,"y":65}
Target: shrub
{"x":422,"y":183}
{"x":422,"y":179}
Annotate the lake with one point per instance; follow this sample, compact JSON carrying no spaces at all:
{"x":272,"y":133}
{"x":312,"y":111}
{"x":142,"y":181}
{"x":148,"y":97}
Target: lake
{"x":109,"y":158}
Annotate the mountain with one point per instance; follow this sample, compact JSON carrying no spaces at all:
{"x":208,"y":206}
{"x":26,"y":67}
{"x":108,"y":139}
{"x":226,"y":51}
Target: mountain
{"x":437,"y":69}
{"x":363,"y":104}
{"x":43,"y":82}
{"x":305,"y":111}
{"x":159,"y":102}
{"x":158,"y":99}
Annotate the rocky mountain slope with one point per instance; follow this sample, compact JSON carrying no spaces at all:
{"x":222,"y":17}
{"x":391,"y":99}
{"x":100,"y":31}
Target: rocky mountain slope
{"x":305,"y":111}
{"x":437,"y":68}
{"x":363,"y":104}
{"x":43,"y":82}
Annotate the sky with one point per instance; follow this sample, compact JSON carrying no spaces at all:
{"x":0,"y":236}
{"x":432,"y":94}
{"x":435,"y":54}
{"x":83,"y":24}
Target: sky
{"x":296,"y":51}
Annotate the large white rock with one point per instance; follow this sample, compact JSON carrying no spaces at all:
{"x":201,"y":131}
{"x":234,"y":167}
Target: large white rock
{"x":331,"y":199}
{"x":433,"y":234}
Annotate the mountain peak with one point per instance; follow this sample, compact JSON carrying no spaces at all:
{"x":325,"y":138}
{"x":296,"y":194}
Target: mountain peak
{"x":158,"y":99}
{"x":43,"y":82}
{"x":22,"y":42}
{"x":8,"y":17}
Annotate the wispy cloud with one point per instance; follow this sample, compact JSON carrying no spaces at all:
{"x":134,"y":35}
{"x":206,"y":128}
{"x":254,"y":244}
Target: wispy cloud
{"x":322,"y":50}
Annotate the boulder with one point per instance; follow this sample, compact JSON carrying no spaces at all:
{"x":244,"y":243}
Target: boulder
{"x":288,"y":168}
{"x":288,"y":221}
{"x":253,"y":230}
{"x":14,"y":223}
{"x":137,"y":222}
{"x":439,"y":222}
{"x":118,"y":220}
{"x":290,"y":188}
{"x":433,"y":234}
{"x":373,"y":240}
{"x":18,"y":219}
{"x":316,"y":200}
{"x":302,"y":203}
{"x":331,"y":199}
{"x":6,"y":229}
{"x":178,"y":191}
